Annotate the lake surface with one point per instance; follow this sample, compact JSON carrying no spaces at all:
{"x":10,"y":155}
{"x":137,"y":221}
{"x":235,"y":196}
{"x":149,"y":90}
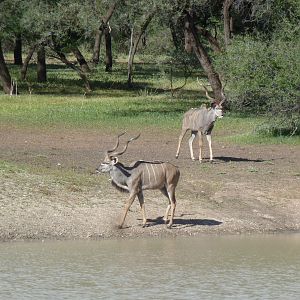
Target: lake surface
{"x":208,"y":267}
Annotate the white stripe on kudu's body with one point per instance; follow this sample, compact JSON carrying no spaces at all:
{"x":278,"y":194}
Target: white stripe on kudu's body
{"x":142,"y":175}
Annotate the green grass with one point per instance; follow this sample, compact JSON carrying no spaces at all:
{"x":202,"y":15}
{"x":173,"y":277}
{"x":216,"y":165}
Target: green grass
{"x":65,"y":177}
{"x":254,"y":138}
{"x":45,"y":111}
{"x":239,"y":129}
{"x":10,"y":168}
{"x":61,"y":102}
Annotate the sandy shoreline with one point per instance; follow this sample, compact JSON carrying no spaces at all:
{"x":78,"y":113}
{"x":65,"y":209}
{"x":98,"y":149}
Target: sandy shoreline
{"x":35,"y":207}
{"x":249,"y":189}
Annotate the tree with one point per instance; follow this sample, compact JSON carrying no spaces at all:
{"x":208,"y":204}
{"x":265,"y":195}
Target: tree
{"x":61,"y":55}
{"x":227,"y":21}
{"x":18,"y":51}
{"x":193,"y":43}
{"x":10,"y":15}
{"x":81,"y":60}
{"x":99,"y":33}
{"x":108,"y":49}
{"x":27,"y":60}
{"x":134,"y":42}
{"x":62,"y":30}
{"x":4,"y":73}
{"x":41,"y":65}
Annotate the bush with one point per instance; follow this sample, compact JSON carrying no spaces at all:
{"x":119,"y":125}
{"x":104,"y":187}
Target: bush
{"x":263,"y":78}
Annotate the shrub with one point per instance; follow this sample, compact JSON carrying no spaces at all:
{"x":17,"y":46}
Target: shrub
{"x":263,"y":78}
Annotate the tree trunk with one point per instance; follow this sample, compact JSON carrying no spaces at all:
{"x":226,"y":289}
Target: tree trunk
{"x":18,"y":51}
{"x":130,"y":60}
{"x":194,"y":44}
{"x":108,"y":52}
{"x":99,"y":33}
{"x":41,"y":65}
{"x":96,"y":51}
{"x":82,"y":75}
{"x":4,"y":73}
{"x":134,"y":45}
{"x":26,"y":62}
{"x":227,"y":22}
{"x":81,"y":60}
{"x":212,"y":40}
{"x":177,"y":33}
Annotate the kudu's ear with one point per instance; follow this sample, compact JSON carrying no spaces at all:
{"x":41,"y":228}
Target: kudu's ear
{"x":114,"y":160}
{"x":213,"y":104}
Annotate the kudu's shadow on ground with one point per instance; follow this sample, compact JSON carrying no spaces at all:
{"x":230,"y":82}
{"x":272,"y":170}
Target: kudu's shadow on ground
{"x":227,"y":159}
{"x":184,"y":222}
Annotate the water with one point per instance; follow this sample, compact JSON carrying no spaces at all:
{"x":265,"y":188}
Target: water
{"x":210,"y":267}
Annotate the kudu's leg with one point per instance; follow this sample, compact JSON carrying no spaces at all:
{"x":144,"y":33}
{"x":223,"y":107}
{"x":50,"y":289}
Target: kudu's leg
{"x":208,"y":137}
{"x":171,"y":193}
{"x":200,"y":145}
{"x":166,"y":216}
{"x":127,"y":206}
{"x":165,"y":192}
{"x":183,"y":131}
{"x":191,"y":140}
{"x":142,"y":205}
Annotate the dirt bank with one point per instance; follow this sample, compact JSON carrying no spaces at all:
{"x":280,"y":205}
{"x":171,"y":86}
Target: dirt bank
{"x":248,"y":188}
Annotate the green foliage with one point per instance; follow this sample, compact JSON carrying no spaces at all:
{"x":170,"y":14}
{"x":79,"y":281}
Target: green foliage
{"x":70,"y":22}
{"x":264,"y":78}
{"x":11,"y":12}
{"x":262,"y":70}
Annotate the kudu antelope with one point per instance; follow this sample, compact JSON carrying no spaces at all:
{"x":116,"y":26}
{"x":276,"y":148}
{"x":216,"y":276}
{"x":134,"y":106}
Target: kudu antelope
{"x":201,"y":121}
{"x":141,"y":175}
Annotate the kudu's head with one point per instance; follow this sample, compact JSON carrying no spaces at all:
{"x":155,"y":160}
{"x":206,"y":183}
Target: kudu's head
{"x":216,"y":105}
{"x":217,"y":108}
{"x":111,"y":157}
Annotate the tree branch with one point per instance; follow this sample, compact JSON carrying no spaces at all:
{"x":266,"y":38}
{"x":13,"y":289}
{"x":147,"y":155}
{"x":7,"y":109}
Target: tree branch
{"x":211,"y":39}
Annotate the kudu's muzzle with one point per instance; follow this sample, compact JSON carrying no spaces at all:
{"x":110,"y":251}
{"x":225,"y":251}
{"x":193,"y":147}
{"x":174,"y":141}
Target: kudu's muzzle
{"x":103,"y":168}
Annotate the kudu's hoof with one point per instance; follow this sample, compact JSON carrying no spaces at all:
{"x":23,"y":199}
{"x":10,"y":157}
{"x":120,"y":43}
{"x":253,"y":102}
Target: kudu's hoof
{"x":120,"y":227}
{"x":176,"y":156}
{"x":169,"y":226}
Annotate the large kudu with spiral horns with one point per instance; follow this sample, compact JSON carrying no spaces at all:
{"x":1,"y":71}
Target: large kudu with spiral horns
{"x":141,"y":175}
{"x":201,"y":121}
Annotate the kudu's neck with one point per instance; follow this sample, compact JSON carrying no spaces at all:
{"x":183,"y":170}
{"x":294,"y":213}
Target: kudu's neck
{"x":120,"y":170}
{"x":119,"y":175}
{"x":211,"y":115}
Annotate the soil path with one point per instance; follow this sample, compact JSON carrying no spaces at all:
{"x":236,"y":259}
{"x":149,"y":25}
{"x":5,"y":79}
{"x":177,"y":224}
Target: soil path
{"x":248,"y":189}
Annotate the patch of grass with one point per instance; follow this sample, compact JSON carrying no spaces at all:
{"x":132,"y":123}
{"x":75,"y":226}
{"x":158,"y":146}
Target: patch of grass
{"x":254,"y":138}
{"x":241,"y":129}
{"x":75,"y":112}
{"x":69,"y":178}
{"x":61,"y":102}
{"x":9,"y":168}
{"x":252,"y":170}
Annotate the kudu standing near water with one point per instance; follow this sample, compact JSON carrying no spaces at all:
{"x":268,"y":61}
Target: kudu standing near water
{"x":139,"y":176}
{"x":201,"y":121}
